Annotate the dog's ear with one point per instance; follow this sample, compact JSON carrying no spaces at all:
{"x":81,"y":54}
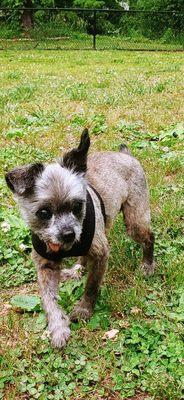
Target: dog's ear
{"x":21,"y":180}
{"x":76,"y":159}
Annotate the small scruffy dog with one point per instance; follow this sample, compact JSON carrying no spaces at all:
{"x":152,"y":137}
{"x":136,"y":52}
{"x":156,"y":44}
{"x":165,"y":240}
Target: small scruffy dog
{"x":70,"y":206}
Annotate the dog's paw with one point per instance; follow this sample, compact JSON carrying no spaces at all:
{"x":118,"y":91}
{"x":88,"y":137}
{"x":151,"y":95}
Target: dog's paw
{"x":59,"y":332}
{"x":82,"y":310}
{"x":73,"y":273}
{"x":60,"y":336}
{"x":147,"y":269}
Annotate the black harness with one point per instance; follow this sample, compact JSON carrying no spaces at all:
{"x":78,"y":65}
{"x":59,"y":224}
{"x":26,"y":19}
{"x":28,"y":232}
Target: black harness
{"x":80,"y":248}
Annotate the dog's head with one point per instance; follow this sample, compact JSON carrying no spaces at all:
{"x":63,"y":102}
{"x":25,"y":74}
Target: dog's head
{"x":52,"y":197}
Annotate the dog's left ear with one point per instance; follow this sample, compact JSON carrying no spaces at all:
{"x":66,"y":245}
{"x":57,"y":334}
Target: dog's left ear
{"x":76,"y":159}
{"x":21,"y":180}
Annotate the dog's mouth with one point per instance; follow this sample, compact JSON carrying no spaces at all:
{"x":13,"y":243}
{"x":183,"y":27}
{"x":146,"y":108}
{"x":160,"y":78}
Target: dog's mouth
{"x":64,"y":241}
{"x":54,"y":247}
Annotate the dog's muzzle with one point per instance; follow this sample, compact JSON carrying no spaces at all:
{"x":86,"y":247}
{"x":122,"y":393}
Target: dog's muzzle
{"x":67,"y":236}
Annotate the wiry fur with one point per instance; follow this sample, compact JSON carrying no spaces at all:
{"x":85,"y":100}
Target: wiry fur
{"x":120,"y":181}
{"x":54,"y":187}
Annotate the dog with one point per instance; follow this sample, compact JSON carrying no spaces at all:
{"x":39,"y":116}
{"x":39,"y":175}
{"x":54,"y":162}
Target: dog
{"x":70,"y":206}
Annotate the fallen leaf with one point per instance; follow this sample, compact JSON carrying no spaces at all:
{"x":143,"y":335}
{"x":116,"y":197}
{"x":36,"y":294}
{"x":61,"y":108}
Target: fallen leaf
{"x":124,"y":324}
{"x":135,"y":310}
{"x":110,"y":334}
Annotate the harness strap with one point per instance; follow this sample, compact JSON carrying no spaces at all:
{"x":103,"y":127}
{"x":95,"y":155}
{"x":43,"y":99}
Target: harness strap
{"x":101,"y":203}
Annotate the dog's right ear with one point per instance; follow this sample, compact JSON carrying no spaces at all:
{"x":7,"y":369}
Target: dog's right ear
{"x":76,"y":159}
{"x":21,"y":180}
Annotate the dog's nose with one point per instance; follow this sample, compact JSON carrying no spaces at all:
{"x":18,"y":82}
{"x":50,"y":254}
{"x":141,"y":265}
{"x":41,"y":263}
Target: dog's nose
{"x":68,"y":236}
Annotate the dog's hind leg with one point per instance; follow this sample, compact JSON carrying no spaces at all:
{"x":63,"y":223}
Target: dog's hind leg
{"x":137,"y":220}
{"x":48,"y":279}
{"x":74,"y":272}
{"x":97,"y":264}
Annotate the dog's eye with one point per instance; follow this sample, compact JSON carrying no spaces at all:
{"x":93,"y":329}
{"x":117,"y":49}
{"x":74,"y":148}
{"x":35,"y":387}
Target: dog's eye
{"x":77,"y":207}
{"x":44,"y":214}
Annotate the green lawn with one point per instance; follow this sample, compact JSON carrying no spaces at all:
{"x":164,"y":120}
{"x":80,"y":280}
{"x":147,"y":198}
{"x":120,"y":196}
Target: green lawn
{"x":41,"y":40}
{"x":46,"y":98}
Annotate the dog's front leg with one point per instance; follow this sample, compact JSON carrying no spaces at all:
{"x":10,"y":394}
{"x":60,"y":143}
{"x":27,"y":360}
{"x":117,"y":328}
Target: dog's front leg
{"x":48,"y":280}
{"x":97,"y":267}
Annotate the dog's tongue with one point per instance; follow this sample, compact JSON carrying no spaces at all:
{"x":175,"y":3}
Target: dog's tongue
{"x":54,"y":247}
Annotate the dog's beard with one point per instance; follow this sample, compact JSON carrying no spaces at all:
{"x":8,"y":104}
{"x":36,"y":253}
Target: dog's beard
{"x":50,"y":237}
{"x":50,"y":234}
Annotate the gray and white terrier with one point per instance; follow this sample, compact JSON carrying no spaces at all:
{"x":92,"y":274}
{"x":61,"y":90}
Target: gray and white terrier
{"x":70,"y":205}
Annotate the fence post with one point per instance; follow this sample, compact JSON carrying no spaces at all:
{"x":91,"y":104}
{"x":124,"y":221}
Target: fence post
{"x":94,"y":30}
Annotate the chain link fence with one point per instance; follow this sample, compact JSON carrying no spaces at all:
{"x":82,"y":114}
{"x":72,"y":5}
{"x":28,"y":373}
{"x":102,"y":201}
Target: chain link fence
{"x":80,"y":29}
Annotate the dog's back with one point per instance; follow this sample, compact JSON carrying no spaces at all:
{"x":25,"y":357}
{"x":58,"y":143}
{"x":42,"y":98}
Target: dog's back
{"x":119,"y":178}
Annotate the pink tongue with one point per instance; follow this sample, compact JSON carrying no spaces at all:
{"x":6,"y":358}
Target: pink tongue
{"x":54,"y":247}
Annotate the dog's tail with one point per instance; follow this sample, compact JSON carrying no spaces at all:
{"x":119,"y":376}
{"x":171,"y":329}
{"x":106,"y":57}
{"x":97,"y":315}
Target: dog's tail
{"x":124,"y":149}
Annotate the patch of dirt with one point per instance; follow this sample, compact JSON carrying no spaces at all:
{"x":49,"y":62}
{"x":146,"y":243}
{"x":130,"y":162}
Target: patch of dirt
{"x":10,"y":391}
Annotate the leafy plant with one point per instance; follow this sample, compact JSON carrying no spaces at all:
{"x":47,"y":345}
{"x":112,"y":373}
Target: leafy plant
{"x":26,"y":303}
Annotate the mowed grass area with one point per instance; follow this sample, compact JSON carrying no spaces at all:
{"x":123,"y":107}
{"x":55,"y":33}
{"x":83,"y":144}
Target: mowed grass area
{"x":46,"y":98}
{"x":41,"y":41}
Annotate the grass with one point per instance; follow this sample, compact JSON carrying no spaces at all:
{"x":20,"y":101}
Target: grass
{"x":45,"y":101}
{"x":45,"y":40}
